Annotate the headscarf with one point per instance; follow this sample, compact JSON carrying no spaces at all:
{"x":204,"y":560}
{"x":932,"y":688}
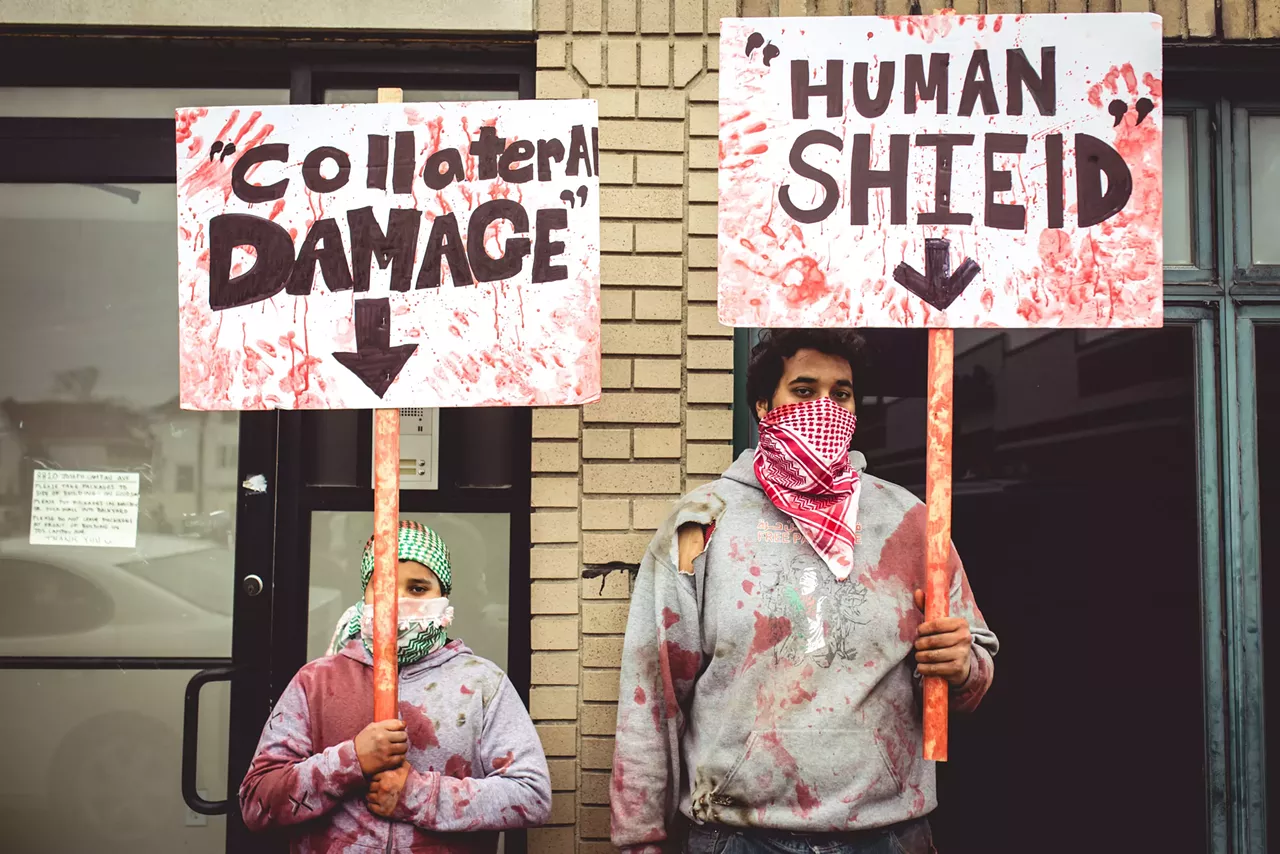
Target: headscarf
{"x":802,"y":462}
{"x":421,"y":626}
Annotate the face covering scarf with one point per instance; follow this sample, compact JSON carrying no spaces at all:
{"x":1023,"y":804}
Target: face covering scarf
{"x":802,"y":461}
{"x":422,"y":622}
{"x":420,"y":630}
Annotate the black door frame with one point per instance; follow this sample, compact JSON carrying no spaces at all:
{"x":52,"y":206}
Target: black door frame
{"x":272,"y":527}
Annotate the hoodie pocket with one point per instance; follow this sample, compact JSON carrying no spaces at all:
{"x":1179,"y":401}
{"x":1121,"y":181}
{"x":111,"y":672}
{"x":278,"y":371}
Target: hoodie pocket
{"x":802,"y":769}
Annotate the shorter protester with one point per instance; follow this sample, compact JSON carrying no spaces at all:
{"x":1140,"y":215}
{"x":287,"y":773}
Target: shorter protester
{"x":462,"y":763}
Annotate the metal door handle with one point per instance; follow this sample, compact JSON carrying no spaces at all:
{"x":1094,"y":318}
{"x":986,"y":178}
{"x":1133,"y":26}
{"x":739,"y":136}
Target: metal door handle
{"x":190,"y":740}
{"x":252,"y":585}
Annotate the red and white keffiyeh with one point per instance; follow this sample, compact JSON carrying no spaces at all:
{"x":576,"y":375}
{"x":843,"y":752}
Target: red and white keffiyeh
{"x":802,"y":461}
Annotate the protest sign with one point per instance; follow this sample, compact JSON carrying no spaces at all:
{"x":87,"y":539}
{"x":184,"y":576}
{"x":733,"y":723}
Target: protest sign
{"x":941,"y":171}
{"x":389,"y":255}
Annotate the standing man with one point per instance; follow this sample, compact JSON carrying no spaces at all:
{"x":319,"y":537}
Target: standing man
{"x":776,"y":643}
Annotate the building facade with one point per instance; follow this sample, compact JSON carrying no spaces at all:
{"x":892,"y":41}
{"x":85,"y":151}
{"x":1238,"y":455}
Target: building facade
{"x":1114,"y":492}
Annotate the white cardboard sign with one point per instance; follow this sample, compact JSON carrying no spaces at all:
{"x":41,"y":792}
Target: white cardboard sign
{"x":946,"y":170}
{"x":84,"y":508}
{"x":389,"y":255}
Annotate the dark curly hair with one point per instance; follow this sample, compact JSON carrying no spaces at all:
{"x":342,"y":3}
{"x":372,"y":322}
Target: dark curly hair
{"x":764,"y":370}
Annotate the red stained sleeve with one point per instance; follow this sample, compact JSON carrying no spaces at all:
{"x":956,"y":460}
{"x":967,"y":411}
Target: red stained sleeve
{"x":967,"y":697}
{"x":287,"y":783}
{"x":661,"y":659}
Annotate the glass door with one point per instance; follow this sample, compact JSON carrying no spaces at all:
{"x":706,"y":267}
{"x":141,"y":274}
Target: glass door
{"x":120,"y":513}
{"x":1258,"y":361}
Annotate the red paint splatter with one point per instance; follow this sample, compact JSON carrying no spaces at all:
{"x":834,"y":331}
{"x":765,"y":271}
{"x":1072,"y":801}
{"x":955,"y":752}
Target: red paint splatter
{"x":748,"y":587}
{"x":1055,"y":247}
{"x":803,"y":281}
{"x":502,"y":763}
{"x":806,"y":802}
{"x":185,"y":119}
{"x":421,"y":729}
{"x":465,"y":690}
{"x":640,"y":696}
{"x":682,"y":663}
{"x":669,"y":618}
{"x":769,"y":632}
{"x":800,"y":694}
{"x":909,"y":620}
{"x":456,"y":766}
{"x":902,"y":556}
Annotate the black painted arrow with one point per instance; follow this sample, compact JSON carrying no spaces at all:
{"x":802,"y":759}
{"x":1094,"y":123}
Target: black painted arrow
{"x":938,"y":286}
{"x":375,"y":361}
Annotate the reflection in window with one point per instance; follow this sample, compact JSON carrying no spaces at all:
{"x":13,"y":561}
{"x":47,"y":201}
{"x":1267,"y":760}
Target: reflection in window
{"x":1267,"y":367}
{"x":82,"y":387}
{"x":110,"y":742}
{"x":1075,"y":511}
{"x":123,"y":103}
{"x":43,"y":599}
{"x":1179,"y":215}
{"x":1264,"y":187}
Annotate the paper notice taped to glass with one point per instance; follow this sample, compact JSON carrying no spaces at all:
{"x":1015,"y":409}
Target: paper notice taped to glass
{"x":84,"y":508}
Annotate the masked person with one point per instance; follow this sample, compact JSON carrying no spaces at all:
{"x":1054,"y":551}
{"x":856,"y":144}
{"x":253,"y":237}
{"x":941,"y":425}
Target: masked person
{"x":775,"y":647}
{"x":462,"y":763}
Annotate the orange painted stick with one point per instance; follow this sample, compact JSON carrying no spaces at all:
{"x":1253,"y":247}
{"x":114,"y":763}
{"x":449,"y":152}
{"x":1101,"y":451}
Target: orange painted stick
{"x":937,"y":550}
{"x":386,"y":524}
{"x":386,"y":521}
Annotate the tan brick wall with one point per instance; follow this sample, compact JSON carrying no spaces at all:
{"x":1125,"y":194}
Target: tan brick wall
{"x":605,"y":475}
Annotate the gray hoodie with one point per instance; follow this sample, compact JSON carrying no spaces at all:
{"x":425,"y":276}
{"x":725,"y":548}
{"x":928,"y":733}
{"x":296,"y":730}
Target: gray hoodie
{"x":476,"y":764}
{"x":759,"y":691}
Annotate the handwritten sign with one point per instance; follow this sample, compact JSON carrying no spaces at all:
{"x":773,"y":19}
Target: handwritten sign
{"x":944,"y":171}
{"x":84,"y":508}
{"x":389,"y":255}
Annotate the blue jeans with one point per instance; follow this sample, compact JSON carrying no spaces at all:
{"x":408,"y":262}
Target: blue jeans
{"x":909,"y":837}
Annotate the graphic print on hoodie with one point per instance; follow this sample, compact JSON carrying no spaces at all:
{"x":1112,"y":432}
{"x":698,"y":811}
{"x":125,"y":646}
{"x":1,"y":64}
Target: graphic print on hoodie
{"x":760,"y":691}
{"x":478,"y":766}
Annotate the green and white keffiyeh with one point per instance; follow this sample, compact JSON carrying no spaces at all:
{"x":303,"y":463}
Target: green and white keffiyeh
{"x":422,"y":622}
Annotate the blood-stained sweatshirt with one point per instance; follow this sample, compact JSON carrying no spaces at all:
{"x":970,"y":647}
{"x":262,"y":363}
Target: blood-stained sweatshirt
{"x":760,"y":691}
{"x":477,"y":763}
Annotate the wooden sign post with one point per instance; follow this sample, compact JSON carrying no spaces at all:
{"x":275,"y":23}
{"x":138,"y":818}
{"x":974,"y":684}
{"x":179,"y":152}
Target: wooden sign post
{"x":386,"y":545}
{"x":941,"y":172}
{"x":937,"y":554}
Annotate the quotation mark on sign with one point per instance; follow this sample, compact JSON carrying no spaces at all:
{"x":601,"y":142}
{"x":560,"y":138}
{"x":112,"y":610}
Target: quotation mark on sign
{"x":567,"y":196}
{"x":770,"y":50}
{"x":1118,"y":108}
{"x":227,"y":150}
